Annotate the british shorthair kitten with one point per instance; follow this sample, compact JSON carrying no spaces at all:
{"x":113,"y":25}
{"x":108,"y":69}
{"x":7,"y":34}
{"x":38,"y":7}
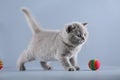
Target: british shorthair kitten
{"x":50,"y":45}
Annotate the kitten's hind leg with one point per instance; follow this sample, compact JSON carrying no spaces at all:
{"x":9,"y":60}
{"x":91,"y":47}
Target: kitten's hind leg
{"x":22,"y":67}
{"x":45,"y":65}
{"x":23,"y":58}
{"x":20,"y":64}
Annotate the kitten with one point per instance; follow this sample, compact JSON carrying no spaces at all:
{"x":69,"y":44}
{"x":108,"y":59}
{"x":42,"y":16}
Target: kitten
{"x":62,"y":46}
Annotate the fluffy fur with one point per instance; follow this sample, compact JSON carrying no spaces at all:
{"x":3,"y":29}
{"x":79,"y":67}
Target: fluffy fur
{"x":62,"y":46}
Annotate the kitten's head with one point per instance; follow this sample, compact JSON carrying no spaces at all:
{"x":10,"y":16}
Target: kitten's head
{"x":76,"y":33}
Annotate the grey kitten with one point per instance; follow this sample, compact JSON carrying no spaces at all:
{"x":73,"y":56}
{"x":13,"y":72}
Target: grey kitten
{"x":46,"y":45}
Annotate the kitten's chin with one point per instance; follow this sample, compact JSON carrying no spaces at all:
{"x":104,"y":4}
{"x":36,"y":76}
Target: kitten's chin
{"x":83,"y":41}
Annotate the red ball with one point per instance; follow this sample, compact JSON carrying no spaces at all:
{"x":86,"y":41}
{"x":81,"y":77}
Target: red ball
{"x":94,"y":64}
{"x":1,"y":67}
{"x":1,"y":64}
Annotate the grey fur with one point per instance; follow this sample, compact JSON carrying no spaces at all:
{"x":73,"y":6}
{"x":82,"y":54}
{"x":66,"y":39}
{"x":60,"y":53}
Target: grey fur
{"x":51,"y":45}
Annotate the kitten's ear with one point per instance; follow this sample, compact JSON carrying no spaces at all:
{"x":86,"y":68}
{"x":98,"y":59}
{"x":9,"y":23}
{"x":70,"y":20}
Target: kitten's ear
{"x":69,"y":28}
{"x":85,"y":24}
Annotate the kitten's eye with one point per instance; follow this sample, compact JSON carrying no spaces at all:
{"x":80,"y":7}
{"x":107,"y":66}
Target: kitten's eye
{"x":79,"y":35}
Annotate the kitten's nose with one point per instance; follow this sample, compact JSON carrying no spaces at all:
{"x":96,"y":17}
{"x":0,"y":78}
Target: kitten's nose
{"x":83,"y":38}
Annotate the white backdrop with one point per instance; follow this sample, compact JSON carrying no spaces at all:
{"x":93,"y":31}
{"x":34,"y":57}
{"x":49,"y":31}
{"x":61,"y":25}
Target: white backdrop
{"x":103,"y":17}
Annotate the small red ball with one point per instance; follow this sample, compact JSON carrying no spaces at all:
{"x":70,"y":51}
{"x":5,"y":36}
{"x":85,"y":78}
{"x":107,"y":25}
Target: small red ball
{"x":94,"y":64}
{"x":1,"y":64}
{"x":1,"y":67}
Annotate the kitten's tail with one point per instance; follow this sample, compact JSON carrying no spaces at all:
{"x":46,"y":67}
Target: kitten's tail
{"x":31,"y":21}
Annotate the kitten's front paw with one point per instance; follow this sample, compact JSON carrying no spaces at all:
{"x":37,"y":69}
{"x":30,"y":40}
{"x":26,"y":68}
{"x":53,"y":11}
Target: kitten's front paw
{"x":22,"y":68}
{"x":77,"y":68}
{"x":70,"y":69}
{"x":49,"y":68}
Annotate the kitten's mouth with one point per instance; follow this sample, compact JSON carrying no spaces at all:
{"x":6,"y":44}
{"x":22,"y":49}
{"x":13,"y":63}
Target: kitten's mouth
{"x":82,"y":41}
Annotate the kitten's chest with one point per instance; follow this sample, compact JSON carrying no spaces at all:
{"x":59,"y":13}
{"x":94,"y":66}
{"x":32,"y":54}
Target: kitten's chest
{"x":71,"y":52}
